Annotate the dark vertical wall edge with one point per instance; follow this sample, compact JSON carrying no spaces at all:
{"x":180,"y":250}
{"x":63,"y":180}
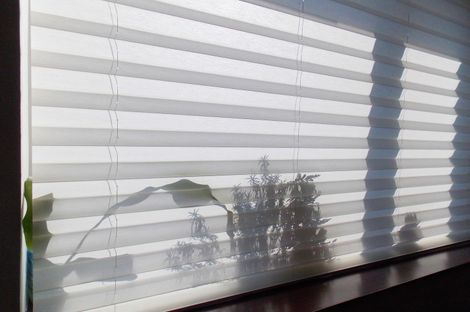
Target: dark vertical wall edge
{"x":10,"y":156}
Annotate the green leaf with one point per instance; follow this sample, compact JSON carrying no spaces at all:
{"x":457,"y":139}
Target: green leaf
{"x":28,"y":218}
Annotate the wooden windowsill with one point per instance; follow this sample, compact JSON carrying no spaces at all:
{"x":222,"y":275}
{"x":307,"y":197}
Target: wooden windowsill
{"x":326,"y":291}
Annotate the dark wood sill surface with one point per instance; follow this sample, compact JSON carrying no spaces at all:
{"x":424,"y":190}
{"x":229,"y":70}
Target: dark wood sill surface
{"x":406,"y":284}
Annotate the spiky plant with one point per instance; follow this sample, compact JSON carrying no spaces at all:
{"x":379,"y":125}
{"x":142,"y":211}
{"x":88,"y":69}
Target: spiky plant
{"x":277,"y":222}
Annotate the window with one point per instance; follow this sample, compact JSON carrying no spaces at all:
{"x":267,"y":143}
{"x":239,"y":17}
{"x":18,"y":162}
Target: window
{"x":185,"y":151}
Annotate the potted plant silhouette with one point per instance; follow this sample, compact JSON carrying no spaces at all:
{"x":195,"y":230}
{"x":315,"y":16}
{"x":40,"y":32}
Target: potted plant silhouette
{"x":277,"y":222}
{"x":272,"y":223}
{"x":198,"y":253}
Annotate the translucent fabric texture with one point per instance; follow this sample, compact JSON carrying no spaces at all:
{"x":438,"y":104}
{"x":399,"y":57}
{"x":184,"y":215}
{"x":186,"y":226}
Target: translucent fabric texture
{"x":185,"y":151}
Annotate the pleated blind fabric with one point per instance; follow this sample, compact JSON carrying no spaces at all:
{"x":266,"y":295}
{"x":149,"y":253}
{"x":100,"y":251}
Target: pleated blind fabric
{"x":185,"y":151}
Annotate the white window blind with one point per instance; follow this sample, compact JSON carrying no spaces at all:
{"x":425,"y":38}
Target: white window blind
{"x":185,"y":151}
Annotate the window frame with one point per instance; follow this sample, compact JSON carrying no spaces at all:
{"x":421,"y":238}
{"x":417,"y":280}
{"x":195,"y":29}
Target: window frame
{"x":10,"y":157}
